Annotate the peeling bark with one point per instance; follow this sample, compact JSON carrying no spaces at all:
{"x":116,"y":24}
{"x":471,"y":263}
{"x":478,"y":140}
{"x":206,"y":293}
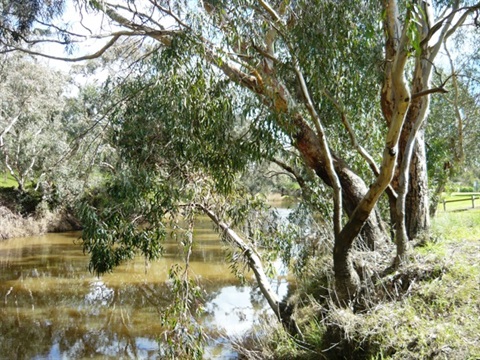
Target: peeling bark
{"x":417,"y":218}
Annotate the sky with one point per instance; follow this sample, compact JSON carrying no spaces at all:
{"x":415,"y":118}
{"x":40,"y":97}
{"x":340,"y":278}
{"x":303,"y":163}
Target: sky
{"x":89,"y":25}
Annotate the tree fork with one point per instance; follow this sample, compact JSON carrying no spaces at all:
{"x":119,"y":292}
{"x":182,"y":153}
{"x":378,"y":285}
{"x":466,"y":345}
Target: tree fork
{"x":353,"y":187}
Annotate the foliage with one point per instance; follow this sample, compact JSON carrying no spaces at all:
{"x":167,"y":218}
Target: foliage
{"x":340,"y":50}
{"x":18,"y":17}
{"x":184,"y":336}
{"x":50,"y":143}
{"x":87,"y":161}
{"x":166,"y":147}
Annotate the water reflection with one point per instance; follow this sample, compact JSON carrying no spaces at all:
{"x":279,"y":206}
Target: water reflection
{"x":235,"y":309}
{"x":53,"y":308}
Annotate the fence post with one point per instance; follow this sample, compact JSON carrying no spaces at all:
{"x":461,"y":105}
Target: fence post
{"x":473,"y":201}
{"x":444,"y":205}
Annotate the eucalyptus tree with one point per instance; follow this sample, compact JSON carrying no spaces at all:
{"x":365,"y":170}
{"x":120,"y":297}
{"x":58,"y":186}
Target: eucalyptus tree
{"x":51,"y":139}
{"x":31,"y":111}
{"x":289,"y":113}
{"x":312,"y":66}
{"x":180,"y":155}
{"x":87,"y":158}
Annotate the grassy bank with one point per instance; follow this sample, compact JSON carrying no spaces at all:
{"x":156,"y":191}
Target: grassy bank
{"x":13,"y":225}
{"x":429,"y":309}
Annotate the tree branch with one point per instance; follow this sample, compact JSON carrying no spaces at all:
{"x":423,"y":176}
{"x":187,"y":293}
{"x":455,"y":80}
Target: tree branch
{"x":361,"y":150}
{"x":441,"y":90}
{"x":254,"y":263}
{"x":301,"y":181}
{"x":448,"y":19}
{"x":95,"y":55}
{"x":7,"y":129}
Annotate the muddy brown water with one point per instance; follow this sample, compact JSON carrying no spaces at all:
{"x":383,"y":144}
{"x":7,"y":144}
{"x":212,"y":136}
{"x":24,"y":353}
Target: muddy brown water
{"x":52,"y":307}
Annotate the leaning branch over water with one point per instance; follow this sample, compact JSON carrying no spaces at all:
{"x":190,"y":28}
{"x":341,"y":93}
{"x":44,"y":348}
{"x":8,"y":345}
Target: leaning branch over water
{"x":281,"y":310}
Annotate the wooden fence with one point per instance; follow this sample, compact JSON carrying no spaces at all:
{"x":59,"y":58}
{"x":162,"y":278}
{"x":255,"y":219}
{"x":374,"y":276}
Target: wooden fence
{"x":472,"y":198}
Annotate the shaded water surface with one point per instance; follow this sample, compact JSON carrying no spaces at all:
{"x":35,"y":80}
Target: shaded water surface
{"x":51,"y":307}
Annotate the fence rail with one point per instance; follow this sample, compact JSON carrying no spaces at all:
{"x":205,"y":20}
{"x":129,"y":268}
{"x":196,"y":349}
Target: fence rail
{"x":472,"y":198}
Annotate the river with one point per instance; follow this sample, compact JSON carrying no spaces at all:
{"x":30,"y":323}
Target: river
{"x":53,"y":308}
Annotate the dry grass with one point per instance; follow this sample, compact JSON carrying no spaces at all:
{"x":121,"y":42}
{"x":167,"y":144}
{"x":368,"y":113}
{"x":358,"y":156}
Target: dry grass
{"x":14,"y":225}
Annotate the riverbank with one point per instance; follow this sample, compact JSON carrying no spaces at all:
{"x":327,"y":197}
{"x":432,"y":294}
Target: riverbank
{"x":14,"y":225}
{"x":428,"y":309}
{"x":24,"y":216}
